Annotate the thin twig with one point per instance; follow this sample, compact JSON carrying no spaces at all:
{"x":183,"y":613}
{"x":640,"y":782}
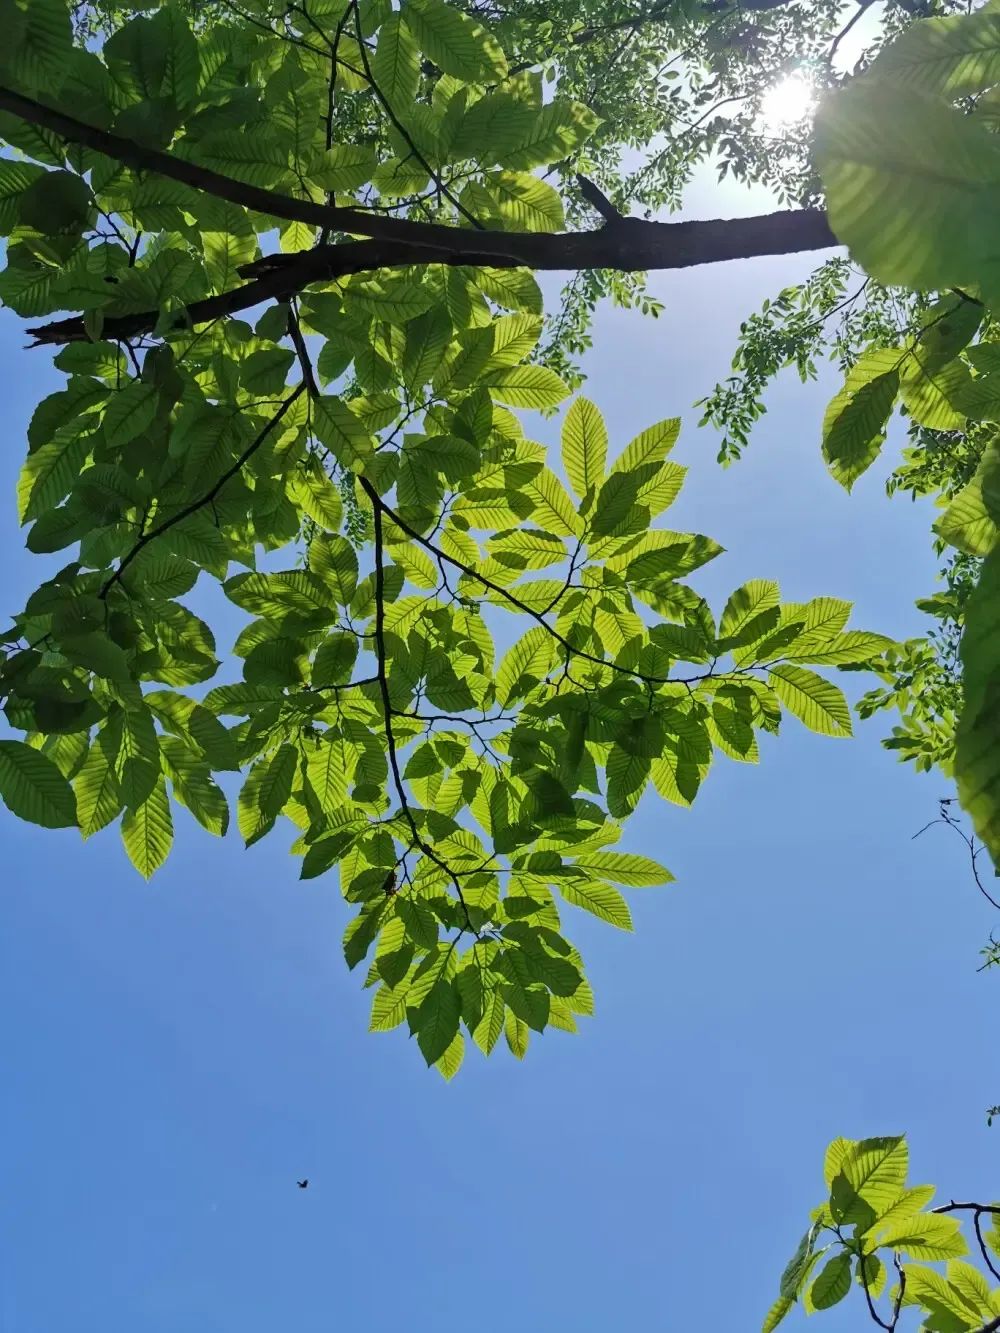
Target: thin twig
{"x":506,"y":595}
{"x":882,"y":1323}
{"x":209,"y":495}
{"x":402,"y":130}
{"x":947,"y":818}
{"x":387,"y":708}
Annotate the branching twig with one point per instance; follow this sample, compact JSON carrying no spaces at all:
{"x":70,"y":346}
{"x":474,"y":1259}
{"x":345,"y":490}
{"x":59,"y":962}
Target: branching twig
{"x":975,"y":850}
{"x":597,"y":199}
{"x":977,"y":1210}
{"x":209,"y":495}
{"x":882,"y":1323}
{"x":387,"y":708}
{"x":506,"y":595}
{"x":401,"y":129}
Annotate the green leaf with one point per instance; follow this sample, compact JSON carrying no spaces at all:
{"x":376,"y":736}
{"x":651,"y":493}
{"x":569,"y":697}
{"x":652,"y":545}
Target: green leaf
{"x":148,"y":831}
{"x":527,"y":386}
{"x":599,"y":899}
{"x":855,"y":423}
{"x":833,"y":1282}
{"x":334,"y":560}
{"x":33,"y":788}
{"x":971,"y":520}
{"x":340,"y":430}
{"x":584,"y":448}
{"x":526,"y":664}
{"x":875,"y":1168}
{"x":193,"y":785}
{"x":887,"y":151}
{"x":951,"y":57}
{"x":419,"y":921}
{"x":782,"y":1306}
{"x":816,"y":702}
{"x":423,"y":347}
{"x":551,"y":506}
{"x":926,"y":1236}
{"x":557,"y":130}
{"x":388,"y":1008}
{"x":265,"y":793}
{"x":797,"y":1267}
{"x":527,"y":203}
{"x":263,"y":373}
{"x":343,"y":167}
{"x":334,"y":660}
{"x":48,"y":473}
{"x":98,"y":800}
{"x":137,"y":763}
{"x":517,"y":1033}
{"x":233,"y":243}
{"x":456,"y":43}
{"x":649,"y":446}
{"x":513,"y":288}
{"x":437,"y":1020}
{"x":932,"y":393}
{"x":487,"y":1031}
{"x":315,"y":494}
{"x":743,"y":611}
{"x":625,"y":868}
{"x":56,"y":201}
{"x":451,"y":1061}
{"x":396,"y":63}
{"x":129,"y":412}
{"x":977,"y":745}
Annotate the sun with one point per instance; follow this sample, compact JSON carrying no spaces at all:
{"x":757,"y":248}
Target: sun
{"x":788,"y":103}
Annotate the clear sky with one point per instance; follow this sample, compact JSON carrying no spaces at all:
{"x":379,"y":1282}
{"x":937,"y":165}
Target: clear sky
{"x":176,"y":1055}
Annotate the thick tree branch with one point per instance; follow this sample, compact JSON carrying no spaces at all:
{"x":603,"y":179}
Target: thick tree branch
{"x":629,"y":245}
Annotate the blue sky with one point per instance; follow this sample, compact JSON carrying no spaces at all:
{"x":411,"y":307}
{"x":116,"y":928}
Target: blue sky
{"x":176,"y":1055}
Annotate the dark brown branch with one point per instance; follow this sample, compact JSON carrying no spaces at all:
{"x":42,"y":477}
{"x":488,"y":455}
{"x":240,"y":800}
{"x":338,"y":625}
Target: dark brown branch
{"x":863,"y":1272}
{"x":859,"y":13}
{"x":597,"y":199}
{"x":900,"y":1290}
{"x":209,"y":495}
{"x":630,"y":245}
{"x":302,"y":352}
{"x":948,"y":819}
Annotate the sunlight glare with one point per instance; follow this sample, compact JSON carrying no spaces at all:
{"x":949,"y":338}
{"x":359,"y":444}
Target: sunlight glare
{"x":788,"y":102}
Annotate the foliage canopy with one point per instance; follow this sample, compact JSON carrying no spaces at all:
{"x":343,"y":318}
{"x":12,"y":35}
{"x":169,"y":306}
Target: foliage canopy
{"x":349,"y":465}
{"x":298,"y":245}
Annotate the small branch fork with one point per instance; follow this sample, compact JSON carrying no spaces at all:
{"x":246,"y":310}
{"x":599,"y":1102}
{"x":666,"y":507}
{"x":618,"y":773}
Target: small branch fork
{"x":978,"y":1210}
{"x":976,"y":849}
{"x":209,"y":495}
